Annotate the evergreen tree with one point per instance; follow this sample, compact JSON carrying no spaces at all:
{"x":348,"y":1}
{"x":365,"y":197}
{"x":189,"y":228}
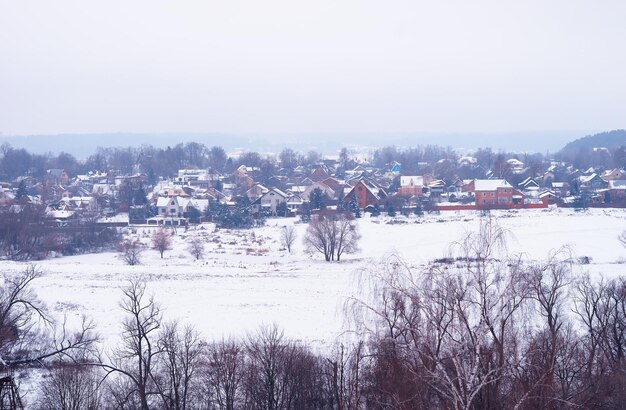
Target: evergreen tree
{"x":21,"y":191}
{"x":340,"y":199}
{"x":353,"y":206}
{"x":376,"y":210}
{"x":219,"y":185}
{"x":140,"y":197}
{"x":390,"y":210}
{"x":152,"y":179}
{"x":305,"y":210}
{"x":317,"y":199}
{"x":281,"y":209}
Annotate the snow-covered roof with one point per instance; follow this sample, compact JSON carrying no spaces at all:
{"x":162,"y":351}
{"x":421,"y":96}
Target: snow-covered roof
{"x":617,"y":184}
{"x":467,"y":160}
{"x":411,"y":180}
{"x":59,"y":214}
{"x":588,"y":178}
{"x":515,"y":162}
{"x":164,"y":201}
{"x":546,"y":193}
{"x":490,"y":184}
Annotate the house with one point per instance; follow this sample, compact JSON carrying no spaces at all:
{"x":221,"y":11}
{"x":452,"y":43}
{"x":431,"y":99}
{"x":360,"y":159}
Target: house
{"x":172,"y":207}
{"x":256,"y":192}
{"x":334,"y":184}
{"x":516,"y":166}
{"x":57,"y":177}
{"x":320,"y":173}
{"x":270,"y":201}
{"x":615,"y":192}
{"x":548,"y":197}
{"x":326,"y":190}
{"x":529,"y":185}
{"x":411,"y":186}
{"x":294,"y":203}
{"x":592,"y":182}
{"x":614,"y":174}
{"x":560,"y":189}
{"x":395,"y":167}
{"x":490,"y":193}
{"x":366,"y":193}
{"x":467,"y":161}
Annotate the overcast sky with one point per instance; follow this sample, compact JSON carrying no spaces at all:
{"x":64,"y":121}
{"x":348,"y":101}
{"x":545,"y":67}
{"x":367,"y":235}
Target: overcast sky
{"x":311,"y":66}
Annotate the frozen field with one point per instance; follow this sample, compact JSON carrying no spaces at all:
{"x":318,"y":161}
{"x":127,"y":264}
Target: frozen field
{"x":247,"y":279}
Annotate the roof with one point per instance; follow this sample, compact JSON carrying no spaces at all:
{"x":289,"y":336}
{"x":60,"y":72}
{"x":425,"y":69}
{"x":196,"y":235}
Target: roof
{"x":411,"y":180}
{"x":163,"y":201}
{"x":278,"y":191}
{"x":490,"y":184}
{"x":617,"y":184}
{"x":546,"y":193}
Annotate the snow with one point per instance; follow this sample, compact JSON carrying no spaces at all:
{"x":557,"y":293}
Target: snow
{"x":490,"y":184}
{"x":247,"y":279}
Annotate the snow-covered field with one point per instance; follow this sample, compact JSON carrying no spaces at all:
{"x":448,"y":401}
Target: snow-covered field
{"x":247,"y":279}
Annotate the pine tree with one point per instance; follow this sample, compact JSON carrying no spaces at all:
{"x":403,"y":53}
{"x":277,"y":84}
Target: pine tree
{"x":353,"y":206}
{"x":317,"y":199}
{"x":376,"y":210}
{"x":340,"y":199}
{"x":140,"y":197}
{"x":21,"y":191}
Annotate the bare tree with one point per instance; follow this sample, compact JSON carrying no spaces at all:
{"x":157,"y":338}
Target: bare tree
{"x":279,"y":373}
{"x":332,"y":234}
{"x":288,"y":236}
{"x":27,"y":333}
{"x":177,"y":366}
{"x":71,"y":387}
{"x":196,"y":247}
{"x":130,"y":251}
{"x":222,"y":374}
{"x":161,"y":241}
{"x":135,"y":358}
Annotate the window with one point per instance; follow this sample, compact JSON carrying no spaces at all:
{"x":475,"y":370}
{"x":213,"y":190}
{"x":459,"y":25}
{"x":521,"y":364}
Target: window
{"x":484,"y":194}
{"x":360,"y":188}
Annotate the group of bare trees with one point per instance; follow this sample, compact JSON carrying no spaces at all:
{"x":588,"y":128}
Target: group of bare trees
{"x":332,"y":234}
{"x":25,"y":236}
{"x":163,"y":365}
{"x":479,"y":330}
{"x":131,"y":249}
{"x":484,"y":330}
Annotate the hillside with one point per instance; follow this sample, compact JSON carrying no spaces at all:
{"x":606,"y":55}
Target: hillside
{"x":609,"y":139}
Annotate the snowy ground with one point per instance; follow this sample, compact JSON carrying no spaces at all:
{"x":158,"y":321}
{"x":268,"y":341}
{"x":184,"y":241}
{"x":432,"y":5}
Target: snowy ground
{"x":247,"y":279}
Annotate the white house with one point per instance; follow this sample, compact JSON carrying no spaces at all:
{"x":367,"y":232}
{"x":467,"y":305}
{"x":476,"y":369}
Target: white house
{"x":271,"y":200}
{"x":172,"y":207}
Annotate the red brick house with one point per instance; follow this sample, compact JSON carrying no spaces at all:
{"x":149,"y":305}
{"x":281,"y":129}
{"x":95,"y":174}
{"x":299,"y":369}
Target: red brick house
{"x":495,"y":193}
{"x":366,"y":193}
{"x":411,"y":186}
{"x":615,"y":192}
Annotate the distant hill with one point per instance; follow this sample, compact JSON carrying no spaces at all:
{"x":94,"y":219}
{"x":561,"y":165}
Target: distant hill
{"x":609,"y":139}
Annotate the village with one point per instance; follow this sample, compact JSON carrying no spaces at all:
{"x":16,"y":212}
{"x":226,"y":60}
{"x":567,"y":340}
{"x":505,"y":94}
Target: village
{"x":195,"y":195}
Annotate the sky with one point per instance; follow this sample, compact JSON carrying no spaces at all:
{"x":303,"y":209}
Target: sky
{"x":323,"y":66}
